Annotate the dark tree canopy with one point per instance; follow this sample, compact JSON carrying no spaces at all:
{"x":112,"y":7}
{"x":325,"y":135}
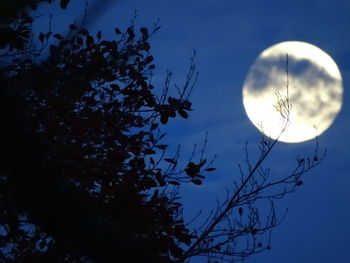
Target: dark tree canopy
{"x":94,"y":116}
{"x":85,"y":172}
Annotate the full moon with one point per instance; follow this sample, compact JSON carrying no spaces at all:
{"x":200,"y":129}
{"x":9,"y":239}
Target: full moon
{"x":297,"y":74}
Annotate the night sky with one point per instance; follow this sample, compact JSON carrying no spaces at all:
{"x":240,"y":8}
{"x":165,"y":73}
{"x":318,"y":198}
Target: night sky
{"x":228,"y":36}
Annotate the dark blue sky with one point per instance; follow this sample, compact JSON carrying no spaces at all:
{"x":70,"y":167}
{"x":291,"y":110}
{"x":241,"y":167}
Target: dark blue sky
{"x":228,"y":36}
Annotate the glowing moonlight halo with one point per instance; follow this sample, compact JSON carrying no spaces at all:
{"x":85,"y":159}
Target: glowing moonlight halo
{"x":314,"y":90}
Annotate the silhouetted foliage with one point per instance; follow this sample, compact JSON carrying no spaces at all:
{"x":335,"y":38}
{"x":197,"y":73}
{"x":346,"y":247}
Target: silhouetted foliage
{"x":85,"y":168}
{"x":94,"y":114}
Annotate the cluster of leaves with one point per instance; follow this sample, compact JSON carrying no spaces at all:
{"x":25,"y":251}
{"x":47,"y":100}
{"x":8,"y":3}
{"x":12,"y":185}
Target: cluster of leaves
{"x":16,"y":28}
{"x":95,"y":114}
{"x":16,"y":33}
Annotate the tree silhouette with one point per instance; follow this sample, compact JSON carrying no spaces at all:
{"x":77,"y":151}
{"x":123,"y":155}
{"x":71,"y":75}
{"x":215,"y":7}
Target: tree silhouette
{"x":85,"y":173}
